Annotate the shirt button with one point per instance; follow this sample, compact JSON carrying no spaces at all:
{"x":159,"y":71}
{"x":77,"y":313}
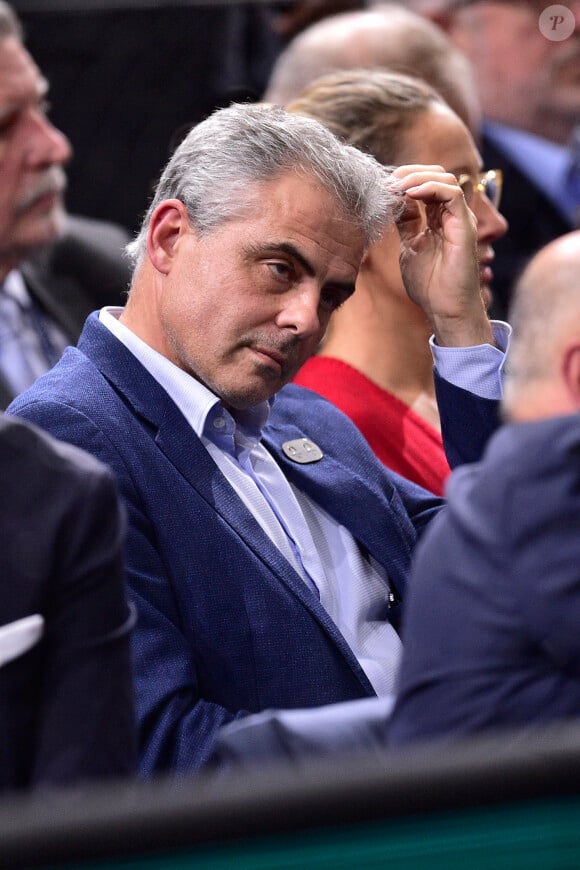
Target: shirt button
{"x":219,"y":423}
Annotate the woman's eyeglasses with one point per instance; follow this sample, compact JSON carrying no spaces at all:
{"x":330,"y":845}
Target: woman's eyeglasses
{"x":488,"y":183}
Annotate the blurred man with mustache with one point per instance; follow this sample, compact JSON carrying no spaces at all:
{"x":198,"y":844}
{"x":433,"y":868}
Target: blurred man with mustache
{"x":528,"y":77}
{"x":54,"y":269}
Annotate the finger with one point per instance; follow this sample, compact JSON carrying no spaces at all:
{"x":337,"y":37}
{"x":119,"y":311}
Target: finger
{"x":431,"y":186}
{"x":406,"y":177}
{"x":406,"y":169}
{"x":436,"y":193}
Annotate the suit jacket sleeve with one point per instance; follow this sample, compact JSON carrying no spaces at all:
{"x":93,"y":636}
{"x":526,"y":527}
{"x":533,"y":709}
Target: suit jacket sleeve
{"x":467,"y":421}
{"x":87,"y":722}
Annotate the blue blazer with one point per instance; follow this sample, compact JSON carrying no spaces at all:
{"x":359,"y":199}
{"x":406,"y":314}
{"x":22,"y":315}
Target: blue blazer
{"x":225,"y":626}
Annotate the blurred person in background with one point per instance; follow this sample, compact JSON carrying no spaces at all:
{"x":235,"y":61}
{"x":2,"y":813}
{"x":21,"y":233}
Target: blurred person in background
{"x":375,"y":362}
{"x":388,"y":36}
{"x":54,"y":268}
{"x":528,"y":78}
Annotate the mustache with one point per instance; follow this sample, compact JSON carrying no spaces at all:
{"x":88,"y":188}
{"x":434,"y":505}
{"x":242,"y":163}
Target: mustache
{"x":286,"y":347}
{"x":52,"y":180}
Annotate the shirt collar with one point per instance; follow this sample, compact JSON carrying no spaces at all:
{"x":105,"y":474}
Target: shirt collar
{"x":201,"y":408}
{"x":15,"y":286}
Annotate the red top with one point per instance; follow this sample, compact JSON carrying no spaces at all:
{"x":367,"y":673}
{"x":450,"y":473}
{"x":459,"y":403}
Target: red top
{"x":401,"y":439}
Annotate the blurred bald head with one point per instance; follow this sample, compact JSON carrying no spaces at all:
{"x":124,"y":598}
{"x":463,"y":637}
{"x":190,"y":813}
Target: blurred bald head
{"x":385,"y":36}
{"x":543,"y":377}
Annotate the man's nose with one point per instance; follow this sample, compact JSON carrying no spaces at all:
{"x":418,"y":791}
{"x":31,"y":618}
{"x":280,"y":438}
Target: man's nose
{"x":45,"y":144}
{"x":301,"y":312}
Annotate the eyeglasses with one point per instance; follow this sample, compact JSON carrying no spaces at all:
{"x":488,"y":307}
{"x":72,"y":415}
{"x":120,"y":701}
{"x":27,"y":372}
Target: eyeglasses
{"x":488,"y":183}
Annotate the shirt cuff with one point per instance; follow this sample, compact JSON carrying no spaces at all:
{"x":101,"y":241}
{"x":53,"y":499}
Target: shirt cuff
{"x":478,"y":369}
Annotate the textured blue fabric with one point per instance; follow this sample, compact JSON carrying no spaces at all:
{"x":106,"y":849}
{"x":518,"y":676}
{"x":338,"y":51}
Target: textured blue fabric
{"x":491,"y":634}
{"x":225,"y":626}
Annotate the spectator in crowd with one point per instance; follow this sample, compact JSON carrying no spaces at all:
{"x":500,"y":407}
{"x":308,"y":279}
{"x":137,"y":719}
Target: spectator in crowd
{"x":529,"y":86}
{"x":491,"y":630}
{"x":388,"y":36}
{"x":375,"y":363}
{"x":267,"y":546}
{"x":54,"y":269}
{"x":66,"y":693}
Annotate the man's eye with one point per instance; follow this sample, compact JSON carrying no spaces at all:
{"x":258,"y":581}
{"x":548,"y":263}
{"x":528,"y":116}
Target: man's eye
{"x":331,"y":300}
{"x":280,"y":269}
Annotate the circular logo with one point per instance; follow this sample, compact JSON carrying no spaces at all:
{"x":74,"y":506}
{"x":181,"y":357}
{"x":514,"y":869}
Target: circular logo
{"x":557,"y":22}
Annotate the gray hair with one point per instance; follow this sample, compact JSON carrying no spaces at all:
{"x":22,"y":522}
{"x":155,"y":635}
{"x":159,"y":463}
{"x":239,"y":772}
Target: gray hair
{"x":9,"y":23}
{"x":214,"y":168}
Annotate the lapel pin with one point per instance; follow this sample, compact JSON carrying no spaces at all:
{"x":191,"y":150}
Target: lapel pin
{"x":302,"y":451}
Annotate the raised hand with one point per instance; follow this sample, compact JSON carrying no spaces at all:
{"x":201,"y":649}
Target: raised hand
{"x":439,"y":255}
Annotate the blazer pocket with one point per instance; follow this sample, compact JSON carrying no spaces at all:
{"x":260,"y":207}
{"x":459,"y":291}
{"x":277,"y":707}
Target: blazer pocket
{"x":16,"y":638}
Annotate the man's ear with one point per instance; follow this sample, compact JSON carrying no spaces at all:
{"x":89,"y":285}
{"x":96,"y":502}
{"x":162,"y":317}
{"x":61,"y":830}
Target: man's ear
{"x":571,"y":372}
{"x":167,"y":224}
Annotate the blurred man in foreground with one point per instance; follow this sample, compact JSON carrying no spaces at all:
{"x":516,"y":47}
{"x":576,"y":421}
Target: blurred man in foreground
{"x":491,"y":631}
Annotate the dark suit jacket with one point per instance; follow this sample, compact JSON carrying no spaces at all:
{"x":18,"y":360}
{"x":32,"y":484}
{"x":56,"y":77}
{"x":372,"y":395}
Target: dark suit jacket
{"x":490,"y":634}
{"x":225,"y":624}
{"x":66,"y":701}
{"x":84,"y":270}
{"x":533,"y":222}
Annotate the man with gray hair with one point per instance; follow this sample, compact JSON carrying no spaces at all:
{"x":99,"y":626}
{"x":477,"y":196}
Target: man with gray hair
{"x":267,"y":548}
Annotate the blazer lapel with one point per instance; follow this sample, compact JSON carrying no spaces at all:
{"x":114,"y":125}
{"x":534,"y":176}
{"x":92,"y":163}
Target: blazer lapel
{"x":185,"y":451}
{"x":366,"y":503}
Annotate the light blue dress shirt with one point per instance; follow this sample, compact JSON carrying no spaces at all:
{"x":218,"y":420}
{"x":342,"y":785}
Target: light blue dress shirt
{"x":352,"y":587}
{"x":30,"y":343}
